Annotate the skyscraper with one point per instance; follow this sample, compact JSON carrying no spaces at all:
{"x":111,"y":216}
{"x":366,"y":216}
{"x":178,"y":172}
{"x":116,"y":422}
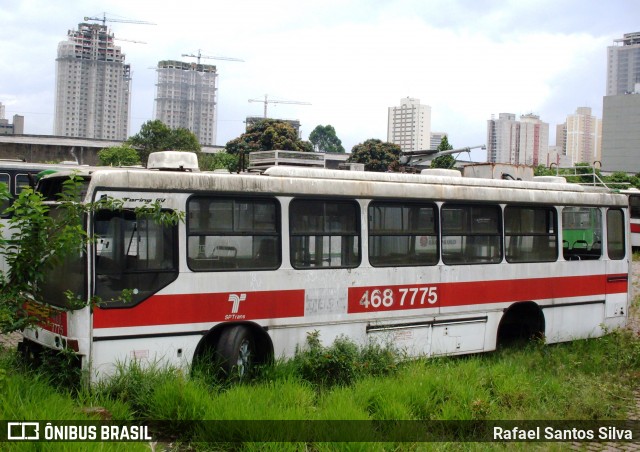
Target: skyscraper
{"x":524,"y":142}
{"x":623,"y":64}
{"x":93,"y":86}
{"x":186,"y":98}
{"x":584,"y":136}
{"x":409,"y":125}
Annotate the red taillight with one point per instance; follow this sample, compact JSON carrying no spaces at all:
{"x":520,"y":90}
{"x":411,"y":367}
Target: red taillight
{"x":73,"y":345}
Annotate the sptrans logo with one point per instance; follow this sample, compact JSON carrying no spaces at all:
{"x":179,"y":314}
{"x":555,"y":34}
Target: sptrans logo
{"x":236,"y":299}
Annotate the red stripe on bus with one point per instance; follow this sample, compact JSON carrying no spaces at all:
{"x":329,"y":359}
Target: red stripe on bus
{"x":227,"y":306}
{"x":635,"y":227}
{"x":205,"y":307}
{"x":438,"y":295}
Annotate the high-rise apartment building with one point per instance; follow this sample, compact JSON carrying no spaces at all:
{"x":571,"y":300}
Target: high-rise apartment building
{"x":583,"y":137}
{"x":186,"y":98}
{"x":524,"y":142}
{"x":409,"y":125}
{"x":93,"y":85}
{"x":623,"y":64}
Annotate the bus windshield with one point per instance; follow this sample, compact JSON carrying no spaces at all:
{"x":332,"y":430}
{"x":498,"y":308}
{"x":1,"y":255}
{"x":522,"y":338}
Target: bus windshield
{"x":132,"y":253}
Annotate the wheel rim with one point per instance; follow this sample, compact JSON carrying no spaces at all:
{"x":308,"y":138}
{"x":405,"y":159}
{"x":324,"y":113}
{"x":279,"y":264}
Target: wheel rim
{"x":244,"y":358}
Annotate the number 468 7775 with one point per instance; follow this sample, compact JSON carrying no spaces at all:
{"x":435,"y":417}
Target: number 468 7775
{"x":399,"y":297}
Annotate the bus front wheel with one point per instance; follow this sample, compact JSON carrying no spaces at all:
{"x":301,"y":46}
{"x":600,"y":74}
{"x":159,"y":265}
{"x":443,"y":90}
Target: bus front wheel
{"x":237,"y":352}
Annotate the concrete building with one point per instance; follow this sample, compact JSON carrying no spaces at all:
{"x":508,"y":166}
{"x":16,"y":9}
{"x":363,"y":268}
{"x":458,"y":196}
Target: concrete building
{"x":623,"y":64}
{"x":15,"y":128}
{"x":524,"y":142}
{"x":533,"y":149}
{"x":409,"y":125}
{"x":436,"y":139}
{"x":621,"y":132}
{"x":93,"y":86}
{"x":186,"y":98}
{"x":583,"y":137}
{"x":7,"y":128}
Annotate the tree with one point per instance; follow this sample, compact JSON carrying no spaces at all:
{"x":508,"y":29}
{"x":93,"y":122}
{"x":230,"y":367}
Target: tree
{"x":46,"y":237}
{"x":119,"y":156}
{"x":268,"y":135}
{"x":156,"y":136}
{"x":324,"y":139}
{"x":219,"y":160}
{"x":376,"y":155}
{"x":444,"y":161}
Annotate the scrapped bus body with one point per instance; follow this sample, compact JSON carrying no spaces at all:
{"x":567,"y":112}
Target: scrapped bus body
{"x":17,"y":175}
{"x":433,"y":265}
{"x":634,"y":214}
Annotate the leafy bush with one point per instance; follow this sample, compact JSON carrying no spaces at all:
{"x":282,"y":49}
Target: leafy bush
{"x":343,"y":362}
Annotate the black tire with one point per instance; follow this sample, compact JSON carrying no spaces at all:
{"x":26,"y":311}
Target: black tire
{"x":237,"y":353}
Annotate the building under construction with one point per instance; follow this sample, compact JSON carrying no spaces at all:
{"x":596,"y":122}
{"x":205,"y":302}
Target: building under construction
{"x":186,"y":98}
{"x":93,"y":85}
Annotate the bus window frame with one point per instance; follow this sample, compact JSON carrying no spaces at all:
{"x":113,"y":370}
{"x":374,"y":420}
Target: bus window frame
{"x":411,"y":234}
{"x":101,"y":278}
{"x":277,"y":235}
{"x":622,"y":234}
{"x":293,"y":235}
{"x":510,"y":257}
{"x":465,"y":257}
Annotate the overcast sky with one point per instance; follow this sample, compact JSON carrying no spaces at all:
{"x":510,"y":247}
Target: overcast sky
{"x":350,"y":59}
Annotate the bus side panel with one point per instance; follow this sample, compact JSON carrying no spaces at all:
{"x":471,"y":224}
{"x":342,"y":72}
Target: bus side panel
{"x":569,"y":322}
{"x":110,"y":355}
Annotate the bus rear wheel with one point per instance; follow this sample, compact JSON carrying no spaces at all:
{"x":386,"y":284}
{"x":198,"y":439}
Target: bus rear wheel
{"x":236,"y":350}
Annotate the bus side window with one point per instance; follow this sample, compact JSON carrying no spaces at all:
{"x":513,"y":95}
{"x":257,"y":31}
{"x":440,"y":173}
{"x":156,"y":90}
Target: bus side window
{"x":615,"y":234}
{"x":233,"y":233}
{"x":324,"y":234}
{"x":582,"y":232}
{"x":471,"y":234}
{"x":531,"y":234}
{"x":402,"y":234}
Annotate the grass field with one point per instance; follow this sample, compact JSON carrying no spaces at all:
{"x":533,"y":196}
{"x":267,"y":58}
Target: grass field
{"x":582,"y":380}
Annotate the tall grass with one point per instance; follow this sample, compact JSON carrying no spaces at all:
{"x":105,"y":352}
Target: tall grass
{"x":582,"y":380}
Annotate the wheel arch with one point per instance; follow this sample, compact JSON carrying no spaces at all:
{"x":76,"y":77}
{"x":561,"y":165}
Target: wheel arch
{"x":262,"y":340}
{"x":521,"y":321}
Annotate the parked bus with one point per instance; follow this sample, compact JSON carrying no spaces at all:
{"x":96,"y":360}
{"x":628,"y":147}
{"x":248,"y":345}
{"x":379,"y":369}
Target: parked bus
{"x":17,"y":175}
{"x":434,"y":265}
{"x":634,"y":214}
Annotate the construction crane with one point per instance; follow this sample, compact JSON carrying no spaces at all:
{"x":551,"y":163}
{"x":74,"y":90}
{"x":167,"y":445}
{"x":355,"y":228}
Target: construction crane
{"x":129,"y":40}
{"x":267,"y":101}
{"x":104,"y":20}
{"x":206,"y":57}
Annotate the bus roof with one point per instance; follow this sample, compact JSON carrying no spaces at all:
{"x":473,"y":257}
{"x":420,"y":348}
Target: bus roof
{"x":321,"y":182}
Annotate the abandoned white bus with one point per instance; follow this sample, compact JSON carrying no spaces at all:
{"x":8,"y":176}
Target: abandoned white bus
{"x":634,"y":215}
{"x":435,"y":265}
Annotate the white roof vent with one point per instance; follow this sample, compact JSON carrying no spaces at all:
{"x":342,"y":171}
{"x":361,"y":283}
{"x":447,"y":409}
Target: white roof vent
{"x":173,"y":161}
{"x":550,"y":179}
{"x":440,"y":172}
